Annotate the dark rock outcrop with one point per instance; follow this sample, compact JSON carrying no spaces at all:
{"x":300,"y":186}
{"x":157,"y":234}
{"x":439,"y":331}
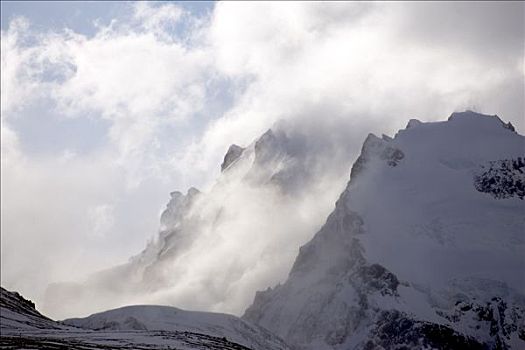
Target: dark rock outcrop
{"x":234,"y":152}
{"x":502,"y":178}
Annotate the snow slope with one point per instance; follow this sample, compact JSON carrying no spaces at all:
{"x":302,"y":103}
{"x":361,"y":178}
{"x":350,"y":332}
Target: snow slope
{"x":165,"y":318}
{"x":134,"y":327}
{"x":425,"y":247}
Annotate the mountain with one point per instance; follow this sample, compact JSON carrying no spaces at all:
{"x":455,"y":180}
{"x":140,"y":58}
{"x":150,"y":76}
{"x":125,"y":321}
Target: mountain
{"x":18,"y":313}
{"x":269,"y":199}
{"x":133,"y":327}
{"x":424,"y":249}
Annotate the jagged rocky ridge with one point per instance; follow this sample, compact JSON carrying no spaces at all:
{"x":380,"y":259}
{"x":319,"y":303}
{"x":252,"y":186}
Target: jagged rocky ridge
{"x":135,"y":327}
{"x":421,"y":251}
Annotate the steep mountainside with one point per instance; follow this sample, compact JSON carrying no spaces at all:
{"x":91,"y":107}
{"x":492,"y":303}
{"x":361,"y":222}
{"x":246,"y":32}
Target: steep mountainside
{"x":425,"y":247}
{"x":19,"y":313}
{"x":135,"y":327}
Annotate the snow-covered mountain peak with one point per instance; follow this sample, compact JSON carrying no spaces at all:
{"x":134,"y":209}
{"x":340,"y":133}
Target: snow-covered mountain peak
{"x":375,"y":148}
{"x":470,"y":116}
{"x":422,"y":236}
{"x":475,"y":117}
{"x":413,"y":123}
{"x":466,"y":137}
{"x":428,"y":233}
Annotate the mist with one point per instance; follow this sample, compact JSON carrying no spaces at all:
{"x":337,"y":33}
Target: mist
{"x":159,"y":93}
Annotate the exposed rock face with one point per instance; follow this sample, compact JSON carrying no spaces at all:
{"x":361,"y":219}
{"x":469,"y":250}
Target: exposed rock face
{"x":495,"y":316}
{"x":413,"y":256}
{"x":397,"y":330}
{"x":502,"y":178}
{"x":234,"y":152}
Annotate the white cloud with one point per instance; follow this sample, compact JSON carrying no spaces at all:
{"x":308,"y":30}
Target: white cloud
{"x":333,"y":71}
{"x":16,"y":87}
{"x":131,"y":78}
{"x":126,"y":74}
{"x":355,"y":61}
{"x":101,"y":219}
{"x":155,"y":19}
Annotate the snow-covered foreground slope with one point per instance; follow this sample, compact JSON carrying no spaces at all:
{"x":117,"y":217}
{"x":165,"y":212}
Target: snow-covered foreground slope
{"x":134,"y":327}
{"x":166,"y":318}
{"x":425,"y":247}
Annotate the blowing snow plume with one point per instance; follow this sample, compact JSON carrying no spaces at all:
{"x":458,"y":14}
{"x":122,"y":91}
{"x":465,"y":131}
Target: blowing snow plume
{"x":215,"y":249}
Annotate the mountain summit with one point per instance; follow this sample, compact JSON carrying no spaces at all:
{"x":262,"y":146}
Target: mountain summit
{"x":424,"y":248}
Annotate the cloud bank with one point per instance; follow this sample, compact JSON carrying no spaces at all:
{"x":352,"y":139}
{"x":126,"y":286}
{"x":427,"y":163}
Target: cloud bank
{"x":164,"y":92}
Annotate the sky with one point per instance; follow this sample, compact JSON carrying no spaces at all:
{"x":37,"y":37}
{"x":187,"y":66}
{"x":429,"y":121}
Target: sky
{"x":107,"y":107}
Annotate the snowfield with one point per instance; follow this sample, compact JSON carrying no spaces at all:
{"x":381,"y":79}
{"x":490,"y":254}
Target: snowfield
{"x":134,"y":327}
{"x":165,"y":318}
